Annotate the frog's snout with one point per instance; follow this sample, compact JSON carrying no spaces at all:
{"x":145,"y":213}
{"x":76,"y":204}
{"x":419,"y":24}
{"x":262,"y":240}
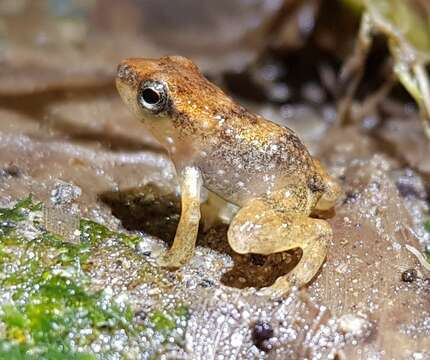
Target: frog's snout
{"x":126,"y":74}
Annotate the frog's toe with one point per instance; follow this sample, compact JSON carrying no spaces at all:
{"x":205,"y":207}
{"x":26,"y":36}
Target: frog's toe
{"x":239,"y":243}
{"x":276,"y":289}
{"x":165,"y":262}
{"x":173,"y":261}
{"x":266,"y":291}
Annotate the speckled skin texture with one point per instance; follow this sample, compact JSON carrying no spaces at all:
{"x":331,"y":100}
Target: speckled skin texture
{"x":258,"y":165}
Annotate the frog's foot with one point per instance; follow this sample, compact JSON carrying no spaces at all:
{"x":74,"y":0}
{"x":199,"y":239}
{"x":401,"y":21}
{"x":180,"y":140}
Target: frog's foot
{"x":258,"y":228}
{"x":174,"y":259}
{"x":332,"y":190}
{"x":182,"y":249}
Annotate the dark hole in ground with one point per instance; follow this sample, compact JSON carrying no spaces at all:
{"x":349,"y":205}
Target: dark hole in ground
{"x":150,"y":209}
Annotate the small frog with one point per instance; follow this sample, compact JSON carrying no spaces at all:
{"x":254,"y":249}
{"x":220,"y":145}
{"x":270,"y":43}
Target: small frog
{"x":245,"y":159}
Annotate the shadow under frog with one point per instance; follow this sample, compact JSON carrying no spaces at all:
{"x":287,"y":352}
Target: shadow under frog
{"x":156,"y":211}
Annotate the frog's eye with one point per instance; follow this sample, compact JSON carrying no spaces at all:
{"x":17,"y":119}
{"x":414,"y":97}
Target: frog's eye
{"x":152,"y":96}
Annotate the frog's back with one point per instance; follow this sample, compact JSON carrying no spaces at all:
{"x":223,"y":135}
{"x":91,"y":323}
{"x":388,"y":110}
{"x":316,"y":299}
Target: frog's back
{"x":253,"y":156}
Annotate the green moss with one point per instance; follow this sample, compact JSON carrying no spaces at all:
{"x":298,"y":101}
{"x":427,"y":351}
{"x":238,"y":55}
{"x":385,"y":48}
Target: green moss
{"x":22,"y":352}
{"x":165,"y":322}
{"x":51,"y":300}
{"x":181,"y":311}
{"x":427,"y":249}
{"x":51,"y":311}
{"x":427,"y":226}
{"x":162,"y":322}
{"x":93,"y":233}
{"x":9,"y":218}
{"x":20,"y":211}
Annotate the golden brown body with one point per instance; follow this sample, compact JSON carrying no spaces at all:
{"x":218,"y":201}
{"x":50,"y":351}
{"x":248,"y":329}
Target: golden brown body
{"x":247,"y":160}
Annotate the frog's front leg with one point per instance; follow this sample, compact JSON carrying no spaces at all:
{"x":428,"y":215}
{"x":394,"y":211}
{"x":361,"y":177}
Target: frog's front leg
{"x":260,"y":229}
{"x":183,"y":246}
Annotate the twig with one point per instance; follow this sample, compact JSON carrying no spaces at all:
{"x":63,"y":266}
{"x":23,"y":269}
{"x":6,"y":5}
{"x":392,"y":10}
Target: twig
{"x":352,"y":71}
{"x":423,"y":85}
{"x":422,"y":260}
{"x":374,"y":99}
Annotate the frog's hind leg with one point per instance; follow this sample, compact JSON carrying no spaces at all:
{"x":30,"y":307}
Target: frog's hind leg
{"x":259,"y":228}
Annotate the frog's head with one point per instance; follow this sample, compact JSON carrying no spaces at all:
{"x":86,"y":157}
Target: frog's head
{"x":170,"y":91}
{"x":144,"y":88}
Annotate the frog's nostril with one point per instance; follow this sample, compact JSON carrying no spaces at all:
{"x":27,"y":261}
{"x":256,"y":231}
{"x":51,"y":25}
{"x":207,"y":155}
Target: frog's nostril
{"x":122,"y":69}
{"x":126,"y":74}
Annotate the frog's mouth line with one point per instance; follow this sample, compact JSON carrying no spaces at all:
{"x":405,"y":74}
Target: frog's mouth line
{"x":123,"y":90}
{"x":128,"y":96}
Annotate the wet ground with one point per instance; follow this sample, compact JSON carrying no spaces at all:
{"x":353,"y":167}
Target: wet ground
{"x":66,"y":138}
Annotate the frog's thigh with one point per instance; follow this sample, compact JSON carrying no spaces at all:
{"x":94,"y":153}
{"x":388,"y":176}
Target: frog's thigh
{"x":183,"y":246}
{"x":257,"y":228}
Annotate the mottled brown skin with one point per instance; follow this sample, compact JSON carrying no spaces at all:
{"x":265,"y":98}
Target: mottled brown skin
{"x":249,"y":161}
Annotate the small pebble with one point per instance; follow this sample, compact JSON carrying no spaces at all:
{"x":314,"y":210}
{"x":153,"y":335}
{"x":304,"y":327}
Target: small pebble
{"x":140,"y":316}
{"x":409,"y":275}
{"x":262,"y":332}
{"x":11,"y":170}
{"x":351,"y":197}
{"x":206,"y":283}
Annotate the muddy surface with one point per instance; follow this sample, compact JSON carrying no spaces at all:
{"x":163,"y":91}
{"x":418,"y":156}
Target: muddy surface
{"x":62,"y":126}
